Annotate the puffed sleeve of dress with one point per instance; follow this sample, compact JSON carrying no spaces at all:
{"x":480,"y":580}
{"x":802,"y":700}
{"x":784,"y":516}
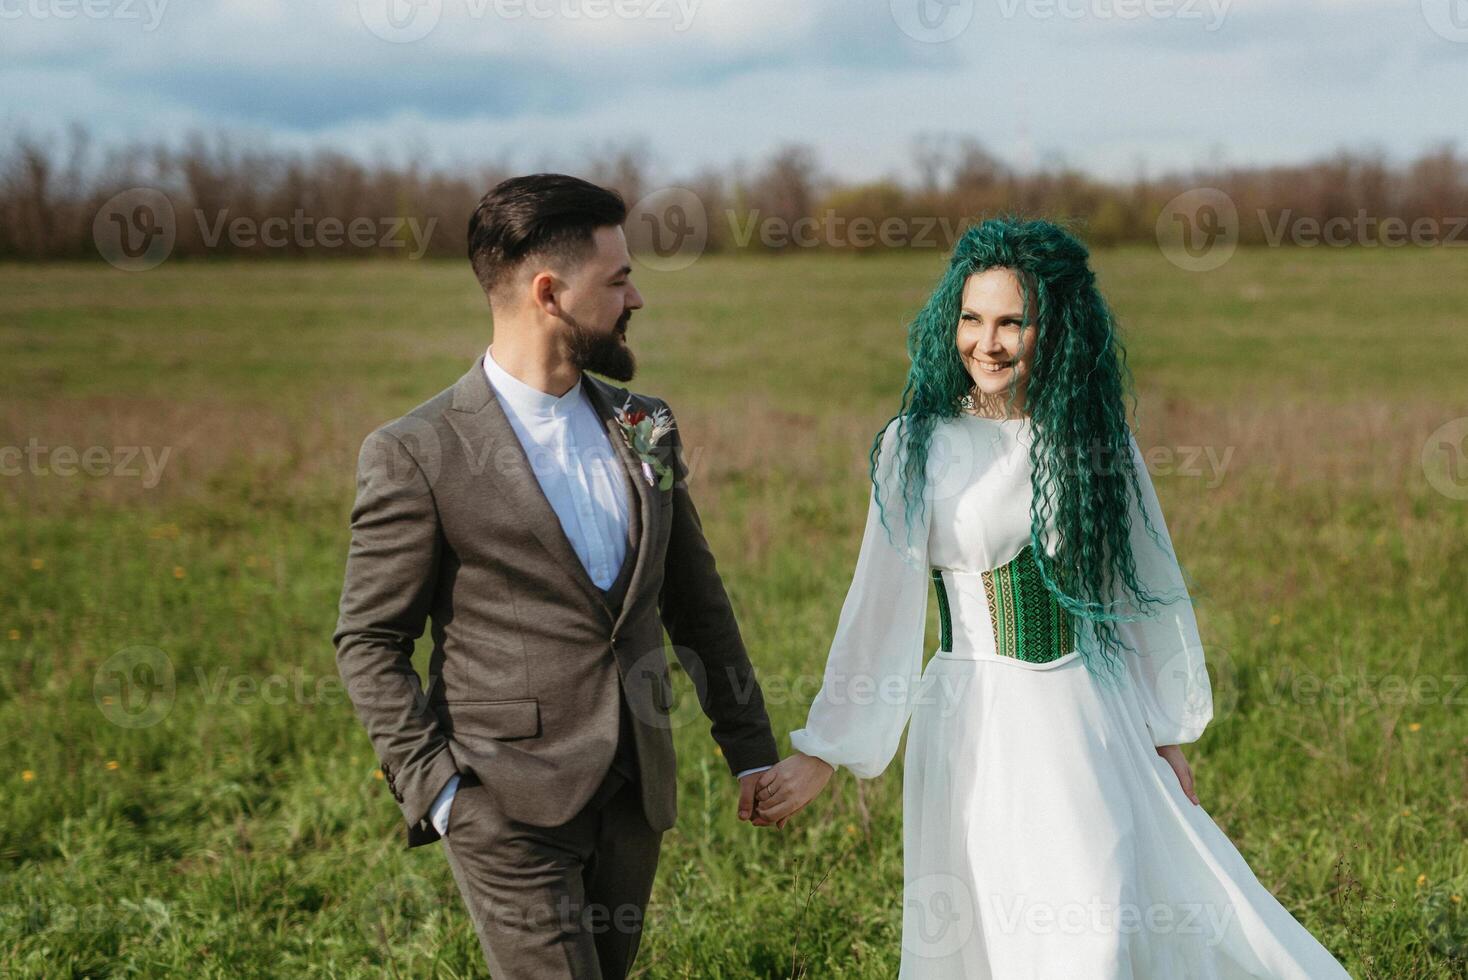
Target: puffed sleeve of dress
{"x":1167,"y":669}
{"x":875,"y":661}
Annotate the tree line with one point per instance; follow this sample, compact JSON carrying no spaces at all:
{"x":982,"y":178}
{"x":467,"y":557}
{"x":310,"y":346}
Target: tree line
{"x":228,"y":197}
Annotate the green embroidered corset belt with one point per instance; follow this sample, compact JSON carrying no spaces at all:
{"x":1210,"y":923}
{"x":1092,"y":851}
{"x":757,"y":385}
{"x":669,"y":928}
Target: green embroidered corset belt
{"x":1005,"y":611}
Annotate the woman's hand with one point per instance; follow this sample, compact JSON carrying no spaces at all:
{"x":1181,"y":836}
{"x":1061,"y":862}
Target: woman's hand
{"x":1173,"y":754}
{"x":793,"y":782}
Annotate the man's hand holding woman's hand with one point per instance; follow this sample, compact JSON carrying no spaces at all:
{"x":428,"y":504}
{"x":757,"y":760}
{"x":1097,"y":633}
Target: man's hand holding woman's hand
{"x":786,"y":788}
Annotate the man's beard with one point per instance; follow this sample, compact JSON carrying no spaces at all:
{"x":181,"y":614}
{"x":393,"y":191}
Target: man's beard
{"x":602,"y":353}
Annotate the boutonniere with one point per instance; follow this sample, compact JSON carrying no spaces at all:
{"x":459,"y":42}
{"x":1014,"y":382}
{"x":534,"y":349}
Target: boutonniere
{"x":643,"y":433}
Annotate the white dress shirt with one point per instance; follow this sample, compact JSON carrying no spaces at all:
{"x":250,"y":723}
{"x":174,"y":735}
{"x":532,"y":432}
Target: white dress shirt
{"x":581,"y":476}
{"x":576,"y":465}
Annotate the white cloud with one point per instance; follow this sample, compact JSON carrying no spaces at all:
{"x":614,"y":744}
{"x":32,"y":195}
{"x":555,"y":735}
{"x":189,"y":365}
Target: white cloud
{"x":1278,"y":80}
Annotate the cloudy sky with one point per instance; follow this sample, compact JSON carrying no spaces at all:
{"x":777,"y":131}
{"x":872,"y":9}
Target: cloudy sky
{"x":1110,"y":86}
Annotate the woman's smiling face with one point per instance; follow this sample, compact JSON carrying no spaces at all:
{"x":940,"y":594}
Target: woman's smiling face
{"x":995,"y":351}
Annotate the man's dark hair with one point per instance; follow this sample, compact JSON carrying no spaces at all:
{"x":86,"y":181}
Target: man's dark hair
{"x":545,"y":215}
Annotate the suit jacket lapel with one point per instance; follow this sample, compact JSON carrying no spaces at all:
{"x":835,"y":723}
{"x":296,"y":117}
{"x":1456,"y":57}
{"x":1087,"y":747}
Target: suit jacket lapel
{"x":495,"y":452}
{"x":601,"y":397}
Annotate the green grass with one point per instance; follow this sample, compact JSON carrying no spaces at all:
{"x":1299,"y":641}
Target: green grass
{"x":245,"y":834}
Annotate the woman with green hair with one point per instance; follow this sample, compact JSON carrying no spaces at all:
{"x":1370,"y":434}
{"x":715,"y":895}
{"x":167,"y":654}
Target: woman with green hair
{"x":1051,"y":828}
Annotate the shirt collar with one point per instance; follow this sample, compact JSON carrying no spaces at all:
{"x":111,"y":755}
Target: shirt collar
{"x":525,"y":399}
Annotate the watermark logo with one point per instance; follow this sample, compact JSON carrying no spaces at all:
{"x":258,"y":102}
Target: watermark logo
{"x":135,"y":230}
{"x":1446,"y":919}
{"x":1193,"y":687}
{"x":1361,"y":229}
{"x":679,"y":13}
{"x":135,"y":687}
{"x":1447,"y":18}
{"x":1286,"y":682}
{"x":37,"y":459}
{"x":147,"y":12}
{"x":406,"y":21}
{"x":396,"y":909}
{"x":1206,"y":923}
{"x":938,"y":912}
{"x":829,"y":229}
{"x":400,"y":21}
{"x":403,"y":464}
{"x":655,"y":701}
{"x":1198,"y":230}
{"x":932,"y":21}
{"x":302,"y":231}
{"x":1445,"y":459}
{"x":668,"y":229}
{"x":1210,"y":13}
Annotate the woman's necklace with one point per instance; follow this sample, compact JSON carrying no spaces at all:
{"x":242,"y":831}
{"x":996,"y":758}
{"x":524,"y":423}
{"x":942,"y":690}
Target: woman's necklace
{"x":968,"y":405}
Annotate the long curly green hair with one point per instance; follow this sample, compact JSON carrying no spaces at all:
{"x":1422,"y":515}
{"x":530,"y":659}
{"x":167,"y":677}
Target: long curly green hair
{"x":1083,"y":475}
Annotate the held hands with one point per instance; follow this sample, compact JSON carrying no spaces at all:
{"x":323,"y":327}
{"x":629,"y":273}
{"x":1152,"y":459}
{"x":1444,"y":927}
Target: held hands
{"x":1173,"y":755}
{"x":785,"y":789}
{"x":748,"y":785}
{"x":777,"y":794}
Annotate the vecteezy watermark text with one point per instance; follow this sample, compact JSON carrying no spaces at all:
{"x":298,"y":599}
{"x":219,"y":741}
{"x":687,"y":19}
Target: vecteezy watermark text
{"x":137,"y":230}
{"x":127,"y":462}
{"x":406,"y":21}
{"x":303,"y":231}
{"x":148,"y":12}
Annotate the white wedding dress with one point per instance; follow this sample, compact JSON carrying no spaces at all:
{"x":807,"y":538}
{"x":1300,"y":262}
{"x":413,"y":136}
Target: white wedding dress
{"x":1043,"y":837}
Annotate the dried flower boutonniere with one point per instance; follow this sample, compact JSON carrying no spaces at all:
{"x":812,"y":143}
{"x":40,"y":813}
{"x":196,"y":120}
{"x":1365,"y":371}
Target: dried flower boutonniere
{"x":643,"y":433}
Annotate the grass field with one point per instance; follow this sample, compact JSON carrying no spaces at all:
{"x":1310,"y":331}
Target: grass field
{"x":244,"y":833}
